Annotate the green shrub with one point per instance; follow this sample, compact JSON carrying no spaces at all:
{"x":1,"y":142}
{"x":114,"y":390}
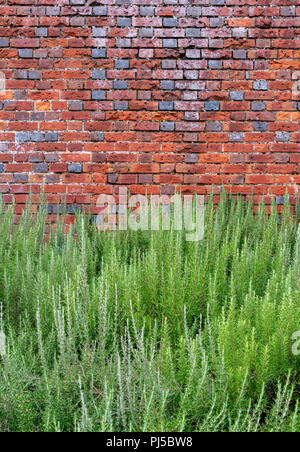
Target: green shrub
{"x":143,"y":331}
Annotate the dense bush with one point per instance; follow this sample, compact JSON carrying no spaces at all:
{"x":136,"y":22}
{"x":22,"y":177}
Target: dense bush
{"x":143,"y":331}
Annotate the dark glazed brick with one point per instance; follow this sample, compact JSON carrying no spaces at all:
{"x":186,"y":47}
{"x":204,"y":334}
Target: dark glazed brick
{"x":258,"y":106}
{"x":75,"y":105}
{"x":51,"y":136}
{"x":98,"y":95}
{"x":167,"y":126}
{"x":36,"y":157}
{"x":25,"y":53}
{"x":166,"y":106}
{"x":98,"y":74}
{"x":122,"y":105}
{"x":214,"y":126}
{"x":123,"y":42}
{"x":120,"y":84}
{"x":22,"y":137}
{"x":194,"y":11}
{"x":34,"y":75}
{"x":37,"y":136}
{"x":167,"y":84}
{"x":261,"y":85}
{"x":41,"y":32}
{"x":146,"y":11}
{"x":99,"y":32}
{"x":236,"y":95}
{"x":41,"y":168}
{"x":170,"y":43}
{"x":260,"y":126}
{"x":112,"y":178}
{"x":146,"y":32}
{"x":124,"y":21}
{"x":236,"y":136}
{"x":4,"y":42}
{"x":215,"y":64}
{"x":170,"y":22}
{"x":191,"y":158}
{"x":21,"y":178}
{"x":122,"y":64}
{"x":193,"y":32}
{"x":99,"y":53}
{"x":212,"y":105}
{"x":100,"y":10}
{"x":284,"y":137}
{"x":75,"y":168}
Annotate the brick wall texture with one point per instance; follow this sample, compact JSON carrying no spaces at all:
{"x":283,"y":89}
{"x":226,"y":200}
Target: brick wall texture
{"x":159,"y":96}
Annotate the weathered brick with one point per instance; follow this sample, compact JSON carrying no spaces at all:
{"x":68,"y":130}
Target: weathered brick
{"x":153,"y":95}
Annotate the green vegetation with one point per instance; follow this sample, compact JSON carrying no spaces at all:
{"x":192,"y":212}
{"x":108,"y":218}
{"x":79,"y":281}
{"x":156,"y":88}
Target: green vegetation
{"x":143,"y":331}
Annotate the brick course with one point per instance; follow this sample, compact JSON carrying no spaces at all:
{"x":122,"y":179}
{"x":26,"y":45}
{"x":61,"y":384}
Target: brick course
{"x":157,"y":95}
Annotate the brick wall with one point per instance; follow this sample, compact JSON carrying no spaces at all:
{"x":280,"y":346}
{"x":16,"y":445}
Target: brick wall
{"x":157,"y":95}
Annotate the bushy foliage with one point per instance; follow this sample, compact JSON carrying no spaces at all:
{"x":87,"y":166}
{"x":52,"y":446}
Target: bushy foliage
{"x":143,"y":331}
